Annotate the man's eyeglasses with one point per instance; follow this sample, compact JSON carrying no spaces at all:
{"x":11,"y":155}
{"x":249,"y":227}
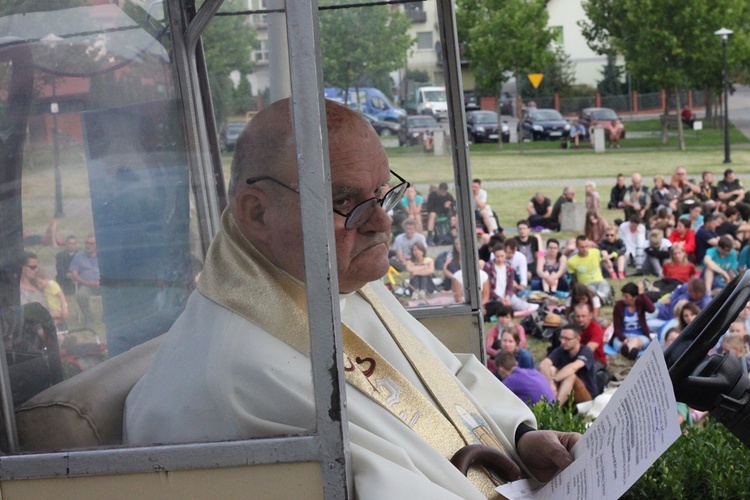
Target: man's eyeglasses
{"x":363,"y":211}
{"x":33,"y":268}
{"x":566,"y":339}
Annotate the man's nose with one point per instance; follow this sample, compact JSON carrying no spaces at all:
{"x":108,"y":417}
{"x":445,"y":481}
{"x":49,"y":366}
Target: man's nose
{"x":379,"y":221}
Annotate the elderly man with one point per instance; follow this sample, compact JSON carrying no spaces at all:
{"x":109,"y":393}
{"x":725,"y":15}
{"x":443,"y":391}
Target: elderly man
{"x":235,"y":365}
{"x":637,"y":198}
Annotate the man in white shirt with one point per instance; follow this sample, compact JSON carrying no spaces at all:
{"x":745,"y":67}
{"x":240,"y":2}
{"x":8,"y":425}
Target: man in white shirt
{"x":479,"y":202}
{"x":404,"y":242}
{"x":235,"y":365}
{"x":518,"y":262}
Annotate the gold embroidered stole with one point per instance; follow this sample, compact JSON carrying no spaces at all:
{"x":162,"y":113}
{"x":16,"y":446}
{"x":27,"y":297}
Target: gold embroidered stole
{"x":241,"y":279}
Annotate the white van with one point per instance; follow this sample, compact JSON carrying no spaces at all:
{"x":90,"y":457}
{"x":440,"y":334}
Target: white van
{"x":432,"y":101}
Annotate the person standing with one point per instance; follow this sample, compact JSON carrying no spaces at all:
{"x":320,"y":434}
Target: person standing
{"x":62,"y":265}
{"x":84,"y":271}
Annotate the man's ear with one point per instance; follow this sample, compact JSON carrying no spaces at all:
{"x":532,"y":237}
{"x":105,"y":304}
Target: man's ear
{"x":250,"y":209}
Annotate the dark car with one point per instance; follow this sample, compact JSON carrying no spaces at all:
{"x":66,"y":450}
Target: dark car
{"x":482,"y":126}
{"x":507,"y":104}
{"x":382,"y":127}
{"x":542,"y":124}
{"x":229,"y":134}
{"x":415,"y":127}
{"x":591,"y":117}
{"x":471,"y":102}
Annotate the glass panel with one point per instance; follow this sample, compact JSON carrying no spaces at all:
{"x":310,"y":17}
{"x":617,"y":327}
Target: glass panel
{"x":386,"y":57}
{"x":246,"y":51}
{"x":95,"y":186}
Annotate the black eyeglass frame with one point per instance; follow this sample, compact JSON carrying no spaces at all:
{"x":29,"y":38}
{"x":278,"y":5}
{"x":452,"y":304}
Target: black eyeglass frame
{"x":393,"y":196}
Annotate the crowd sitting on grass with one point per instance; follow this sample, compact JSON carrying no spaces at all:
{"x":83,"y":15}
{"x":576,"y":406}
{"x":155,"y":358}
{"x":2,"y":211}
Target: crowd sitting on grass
{"x":671,"y":248}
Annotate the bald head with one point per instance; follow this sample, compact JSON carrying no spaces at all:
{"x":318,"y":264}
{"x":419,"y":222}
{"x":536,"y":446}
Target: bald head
{"x":267,"y":147}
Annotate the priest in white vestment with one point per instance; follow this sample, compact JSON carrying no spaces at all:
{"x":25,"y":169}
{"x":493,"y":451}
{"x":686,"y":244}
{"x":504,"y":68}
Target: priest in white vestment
{"x":234,"y":365}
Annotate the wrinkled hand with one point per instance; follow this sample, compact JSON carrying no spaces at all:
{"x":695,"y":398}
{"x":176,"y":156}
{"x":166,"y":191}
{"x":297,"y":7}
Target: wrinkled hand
{"x":544,"y":453}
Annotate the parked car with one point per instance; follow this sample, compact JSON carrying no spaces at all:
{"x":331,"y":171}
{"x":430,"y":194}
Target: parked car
{"x":507,"y":104}
{"x":483,"y":126}
{"x":591,"y":117}
{"x":471,"y":102}
{"x":382,"y":127}
{"x":414,"y":127}
{"x":542,"y":124}
{"x":229,"y":134}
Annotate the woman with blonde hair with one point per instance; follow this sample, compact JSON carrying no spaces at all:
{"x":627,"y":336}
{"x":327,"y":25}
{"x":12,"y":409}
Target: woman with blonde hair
{"x":593,"y":200}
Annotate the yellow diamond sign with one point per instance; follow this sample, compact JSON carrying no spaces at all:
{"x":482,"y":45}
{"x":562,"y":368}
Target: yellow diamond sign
{"x":536,"y":79}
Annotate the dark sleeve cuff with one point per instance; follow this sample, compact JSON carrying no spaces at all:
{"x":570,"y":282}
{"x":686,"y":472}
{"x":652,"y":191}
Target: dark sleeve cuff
{"x":521,"y":430}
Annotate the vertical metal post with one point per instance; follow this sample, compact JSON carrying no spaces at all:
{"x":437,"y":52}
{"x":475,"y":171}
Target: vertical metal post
{"x":56,"y":152}
{"x":727,"y":159}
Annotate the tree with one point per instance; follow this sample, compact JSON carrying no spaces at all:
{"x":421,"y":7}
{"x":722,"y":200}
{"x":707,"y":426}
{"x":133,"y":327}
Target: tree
{"x":503,"y":38}
{"x":669,"y":42}
{"x":559,"y":77}
{"x":244,"y":100}
{"x":361,"y":44}
{"x":611,"y":82}
{"x":227,"y":43}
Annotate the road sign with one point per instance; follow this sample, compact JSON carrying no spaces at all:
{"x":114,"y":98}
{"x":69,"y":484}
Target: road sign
{"x":536,"y":79}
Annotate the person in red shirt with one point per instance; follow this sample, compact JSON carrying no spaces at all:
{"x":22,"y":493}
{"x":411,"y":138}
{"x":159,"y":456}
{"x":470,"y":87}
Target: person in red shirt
{"x":683,"y":234}
{"x":592,"y":334}
{"x":678,"y":266}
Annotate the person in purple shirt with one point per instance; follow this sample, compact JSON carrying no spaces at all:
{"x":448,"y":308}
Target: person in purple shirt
{"x":527,"y":383}
{"x":692,"y":291}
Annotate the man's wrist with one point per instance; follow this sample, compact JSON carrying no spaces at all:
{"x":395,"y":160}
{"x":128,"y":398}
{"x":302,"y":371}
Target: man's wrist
{"x":522,"y":429}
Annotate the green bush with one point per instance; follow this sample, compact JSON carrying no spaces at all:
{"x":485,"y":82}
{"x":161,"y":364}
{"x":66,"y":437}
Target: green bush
{"x":705,"y":462}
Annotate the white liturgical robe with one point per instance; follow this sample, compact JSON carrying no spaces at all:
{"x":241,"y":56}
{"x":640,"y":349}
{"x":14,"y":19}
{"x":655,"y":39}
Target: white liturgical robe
{"x":218,"y":376}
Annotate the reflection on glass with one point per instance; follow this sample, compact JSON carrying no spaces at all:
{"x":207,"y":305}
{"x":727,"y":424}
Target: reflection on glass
{"x":98,"y":189}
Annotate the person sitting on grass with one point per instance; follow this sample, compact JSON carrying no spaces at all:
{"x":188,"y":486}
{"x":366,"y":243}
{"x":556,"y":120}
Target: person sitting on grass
{"x":493,"y":339}
{"x":684,"y":235}
{"x":569,"y":368}
{"x":527,"y":383}
{"x":657,"y":252}
{"x":613,"y":251}
{"x":678,"y":267}
{"x":510,"y":342}
{"x":551,"y":268}
{"x":502,"y":286}
{"x":721,"y":264}
{"x":421,"y":269}
{"x":586,"y":267}
{"x":631,"y":333}
{"x":594,"y":227}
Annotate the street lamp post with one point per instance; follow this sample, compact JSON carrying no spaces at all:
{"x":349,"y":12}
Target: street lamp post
{"x":724,"y":34}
